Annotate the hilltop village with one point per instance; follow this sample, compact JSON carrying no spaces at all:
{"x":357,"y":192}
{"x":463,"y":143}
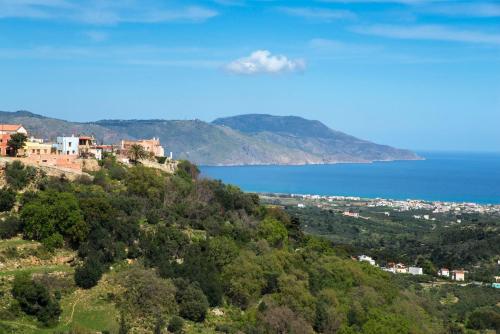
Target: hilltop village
{"x":76,"y":153}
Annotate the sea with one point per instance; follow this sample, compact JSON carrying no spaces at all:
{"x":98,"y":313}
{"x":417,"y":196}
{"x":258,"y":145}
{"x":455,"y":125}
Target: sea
{"x":442,"y":176}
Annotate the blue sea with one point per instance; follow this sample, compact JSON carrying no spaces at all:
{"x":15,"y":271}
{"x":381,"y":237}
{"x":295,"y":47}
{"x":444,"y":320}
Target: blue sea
{"x":454,"y":177}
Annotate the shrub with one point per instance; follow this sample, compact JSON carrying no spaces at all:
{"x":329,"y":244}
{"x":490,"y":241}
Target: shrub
{"x":193,"y":304}
{"x":146,"y":294}
{"x":51,"y":212}
{"x":54,"y":241}
{"x":10,"y":227}
{"x":35,"y":299}
{"x":7,"y":199}
{"x":18,"y":175}
{"x":89,"y":274}
{"x":175,"y":325}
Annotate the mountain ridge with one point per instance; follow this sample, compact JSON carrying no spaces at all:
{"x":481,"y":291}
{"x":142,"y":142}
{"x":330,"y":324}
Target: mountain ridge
{"x":251,"y":139}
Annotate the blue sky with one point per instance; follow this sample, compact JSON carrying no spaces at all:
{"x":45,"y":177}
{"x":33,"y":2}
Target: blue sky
{"x":419,"y":74}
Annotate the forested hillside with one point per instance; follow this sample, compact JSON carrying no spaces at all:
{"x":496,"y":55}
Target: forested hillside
{"x":134,"y":250}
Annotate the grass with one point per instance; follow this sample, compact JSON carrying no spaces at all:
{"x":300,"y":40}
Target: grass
{"x":36,"y":270}
{"x":17,"y":242}
{"x":87,"y":311}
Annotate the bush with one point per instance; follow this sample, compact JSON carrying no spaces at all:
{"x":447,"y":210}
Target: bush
{"x":54,"y":241}
{"x":18,"y":175}
{"x":89,"y":274}
{"x":35,"y":299}
{"x":51,"y":212}
{"x":175,"y":325}
{"x":10,"y":227}
{"x":193,"y":304}
{"x":7,"y":199}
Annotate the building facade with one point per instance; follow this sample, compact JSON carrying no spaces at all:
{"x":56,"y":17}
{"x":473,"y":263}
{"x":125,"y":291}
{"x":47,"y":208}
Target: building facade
{"x":152,"y":146}
{"x":67,"y":145}
{"x":6,"y":130}
{"x":415,"y":271}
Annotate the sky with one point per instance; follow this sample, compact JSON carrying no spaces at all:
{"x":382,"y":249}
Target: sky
{"x":417,"y":74}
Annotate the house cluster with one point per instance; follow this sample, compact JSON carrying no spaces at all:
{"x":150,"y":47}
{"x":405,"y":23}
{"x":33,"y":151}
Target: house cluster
{"x":456,"y":275}
{"x":69,"y":152}
{"x":395,"y":268}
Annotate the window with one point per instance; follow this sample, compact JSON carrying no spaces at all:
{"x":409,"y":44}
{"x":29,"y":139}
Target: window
{"x":69,"y":144}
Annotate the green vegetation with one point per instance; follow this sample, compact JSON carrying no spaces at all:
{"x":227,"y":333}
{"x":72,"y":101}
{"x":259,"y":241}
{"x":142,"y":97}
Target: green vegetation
{"x":136,"y":250}
{"x":35,"y":299}
{"x":18,"y":175}
{"x":16,"y":142}
{"x":392,"y":236}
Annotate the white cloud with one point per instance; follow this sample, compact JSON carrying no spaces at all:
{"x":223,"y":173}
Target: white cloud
{"x":429,"y":32}
{"x":321,"y":14}
{"x":104,"y":12}
{"x":262,"y":61}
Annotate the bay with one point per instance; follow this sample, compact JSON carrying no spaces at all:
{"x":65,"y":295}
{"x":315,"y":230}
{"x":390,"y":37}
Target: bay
{"x":442,"y":176}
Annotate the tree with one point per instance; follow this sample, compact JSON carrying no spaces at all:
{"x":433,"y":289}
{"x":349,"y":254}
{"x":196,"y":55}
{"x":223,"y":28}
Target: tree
{"x":16,"y":142}
{"x":10,"y":227}
{"x":136,"y":152}
{"x":145,"y":294}
{"x":18,"y":175}
{"x":160,"y":323}
{"x":35,"y":299}
{"x":175,"y":325}
{"x":7,"y":199}
{"x":89,"y":274}
{"x":273,"y":231}
{"x":51,"y":212}
{"x":282,"y":320}
{"x":193,"y":303}
{"x":124,"y":328}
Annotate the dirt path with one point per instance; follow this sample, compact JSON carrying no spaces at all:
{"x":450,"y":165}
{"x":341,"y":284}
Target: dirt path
{"x":77,"y":297}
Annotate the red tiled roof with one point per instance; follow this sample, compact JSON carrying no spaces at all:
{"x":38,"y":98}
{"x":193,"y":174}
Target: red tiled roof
{"x":10,"y":127}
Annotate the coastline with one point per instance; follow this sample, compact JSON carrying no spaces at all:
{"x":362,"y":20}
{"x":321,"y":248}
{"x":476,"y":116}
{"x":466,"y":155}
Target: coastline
{"x":258,"y":164}
{"x":376,"y":199}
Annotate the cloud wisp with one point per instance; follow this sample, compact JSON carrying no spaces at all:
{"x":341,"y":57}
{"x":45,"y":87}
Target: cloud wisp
{"x":429,"y":32}
{"x":104,"y":13}
{"x":317,"y":14}
{"x":263,"y":62}
{"x":470,"y":9}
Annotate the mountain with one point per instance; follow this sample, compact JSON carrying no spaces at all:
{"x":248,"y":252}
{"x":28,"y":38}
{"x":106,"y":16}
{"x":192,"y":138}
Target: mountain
{"x":320,"y":143}
{"x":239,"y":140}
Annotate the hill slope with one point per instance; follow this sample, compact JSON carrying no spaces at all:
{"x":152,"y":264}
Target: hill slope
{"x":314,"y":138}
{"x":239,"y":140}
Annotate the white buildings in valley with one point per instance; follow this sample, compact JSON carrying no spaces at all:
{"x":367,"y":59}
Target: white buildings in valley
{"x":365,"y":258}
{"x":415,"y":271}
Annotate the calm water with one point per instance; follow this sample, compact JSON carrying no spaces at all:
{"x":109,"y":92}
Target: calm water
{"x":458,"y":177}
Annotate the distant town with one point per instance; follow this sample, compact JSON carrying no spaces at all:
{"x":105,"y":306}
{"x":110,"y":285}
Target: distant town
{"x":403,"y":205}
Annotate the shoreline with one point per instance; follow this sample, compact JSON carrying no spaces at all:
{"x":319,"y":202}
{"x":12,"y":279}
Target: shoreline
{"x":311,"y":163}
{"x":374,"y":199}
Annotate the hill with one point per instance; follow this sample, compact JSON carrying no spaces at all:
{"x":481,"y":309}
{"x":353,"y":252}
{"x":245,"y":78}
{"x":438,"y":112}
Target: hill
{"x":313,"y":138}
{"x":135,"y":249}
{"x":239,"y":140}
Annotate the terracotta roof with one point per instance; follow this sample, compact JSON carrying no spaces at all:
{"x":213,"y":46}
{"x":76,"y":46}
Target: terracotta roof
{"x":86,"y":137}
{"x":10,"y":127}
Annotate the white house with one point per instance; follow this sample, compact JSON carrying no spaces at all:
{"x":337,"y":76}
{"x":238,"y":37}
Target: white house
{"x":458,"y":275}
{"x":415,"y":271}
{"x":366,"y":259}
{"x":67,"y":145}
{"x":444,"y":272}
